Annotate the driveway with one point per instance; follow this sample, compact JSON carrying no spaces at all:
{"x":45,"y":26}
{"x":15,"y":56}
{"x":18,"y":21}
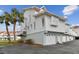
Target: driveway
{"x":66,"y":48}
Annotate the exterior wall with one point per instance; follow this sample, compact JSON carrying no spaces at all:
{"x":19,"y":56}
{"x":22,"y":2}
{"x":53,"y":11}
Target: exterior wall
{"x":28,"y":19}
{"x":76,"y":30}
{"x":71,"y":38}
{"x":58,"y":24}
{"x":50,"y":39}
{"x":54,"y":38}
{"x":52,"y":24}
{"x":29,"y":22}
{"x":36,"y":34}
{"x":36,"y":37}
{"x":64,"y":39}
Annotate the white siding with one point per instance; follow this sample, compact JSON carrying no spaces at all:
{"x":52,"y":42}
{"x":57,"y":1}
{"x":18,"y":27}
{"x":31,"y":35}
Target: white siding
{"x":59,"y":38}
{"x":63,"y":38}
{"x":76,"y":30}
{"x":36,"y":37}
{"x":60,"y":25}
{"x":30,"y":19}
{"x":50,"y":39}
{"x":36,"y":31}
{"x":67,"y":38}
{"x":54,"y":21}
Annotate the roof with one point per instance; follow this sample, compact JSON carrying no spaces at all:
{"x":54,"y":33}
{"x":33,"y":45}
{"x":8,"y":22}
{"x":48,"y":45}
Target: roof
{"x":5,"y":33}
{"x":32,"y":8}
{"x":75,"y":26}
{"x":50,"y":14}
{"x":44,"y":12}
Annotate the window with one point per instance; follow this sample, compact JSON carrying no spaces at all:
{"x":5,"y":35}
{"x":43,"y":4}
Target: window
{"x":30,"y":17}
{"x":31,"y":26}
{"x":28,"y":27}
{"x":34,"y":25}
{"x":53,"y":21}
{"x":43,"y":21}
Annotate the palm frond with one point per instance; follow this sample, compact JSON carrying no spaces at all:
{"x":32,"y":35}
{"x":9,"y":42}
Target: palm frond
{"x":15,"y":12}
{"x":21,"y":18}
{"x":7,"y":18}
{"x":1,"y":19}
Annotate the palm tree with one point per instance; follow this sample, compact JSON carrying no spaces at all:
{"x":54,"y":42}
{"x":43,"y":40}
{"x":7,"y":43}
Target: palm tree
{"x":14,"y":15}
{"x":21,"y":18}
{"x":5,"y":19}
{"x":1,"y":19}
{"x":17,"y":17}
{"x":7,"y":23}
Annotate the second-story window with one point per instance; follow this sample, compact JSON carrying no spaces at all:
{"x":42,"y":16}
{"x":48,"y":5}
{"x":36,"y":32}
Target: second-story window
{"x":53,"y":21}
{"x":30,"y":17}
{"x":43,"y":21}
{"x":31,"y":26}
{"x":28,"y":27}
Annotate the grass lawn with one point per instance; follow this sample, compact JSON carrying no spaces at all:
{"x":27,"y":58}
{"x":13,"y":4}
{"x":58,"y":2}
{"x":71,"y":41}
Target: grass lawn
{"x":6,"y":42}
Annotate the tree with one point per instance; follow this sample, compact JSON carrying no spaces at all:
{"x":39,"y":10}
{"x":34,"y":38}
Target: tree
{"x":6,"y":19}
{"x":14,"y":15}
{"x":1,"y":20}
{"x":21,"y":18}
{"x":17,"y":17}
{"x":7,"y":23}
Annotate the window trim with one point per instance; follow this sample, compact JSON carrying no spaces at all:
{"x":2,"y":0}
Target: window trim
{"x":34,"y":25}
{"x":43,"y":22}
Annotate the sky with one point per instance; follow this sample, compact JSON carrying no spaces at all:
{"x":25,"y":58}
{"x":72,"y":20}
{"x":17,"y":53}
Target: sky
{"x":71,"y":12}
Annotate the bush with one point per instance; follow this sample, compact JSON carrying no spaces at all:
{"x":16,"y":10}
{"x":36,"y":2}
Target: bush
{"x":29,"y":41}
{"x":20,"y":41}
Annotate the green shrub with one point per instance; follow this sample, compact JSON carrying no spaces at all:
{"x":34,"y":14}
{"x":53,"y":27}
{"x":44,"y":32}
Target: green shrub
{"x":29,"y":41}
{"x":20,"y":41}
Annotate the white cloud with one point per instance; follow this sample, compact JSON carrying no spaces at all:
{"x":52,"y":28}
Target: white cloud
{"x":65,"y":17}
{"x":1,"y":12}
{"x":68,"y":10}
{"x":75,"y":25}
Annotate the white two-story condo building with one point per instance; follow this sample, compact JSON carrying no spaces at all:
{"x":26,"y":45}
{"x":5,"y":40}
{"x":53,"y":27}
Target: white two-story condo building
{"x":75,"y":28}
{"x":46,"y":28}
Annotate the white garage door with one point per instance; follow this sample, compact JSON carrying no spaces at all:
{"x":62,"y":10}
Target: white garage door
{"x":53,"y":39}
{"x":68,"y":38}
{"x":72,"y":38}
{"x":59,"y":39}
{"x":50,"y":39}
{"x":64,"y":38}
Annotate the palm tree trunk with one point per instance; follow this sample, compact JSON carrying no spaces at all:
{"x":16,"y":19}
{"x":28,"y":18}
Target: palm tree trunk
{"x":8,"y":33}
{"x":14,"y":29}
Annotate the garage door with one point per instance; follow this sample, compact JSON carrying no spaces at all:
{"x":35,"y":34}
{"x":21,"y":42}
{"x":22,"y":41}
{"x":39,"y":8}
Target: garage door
{"x":50,"y":39}
{"x":59,"y":39}
{"x":71,"y":38}
{"x":53,"y":39}
{"x":64,"y":38}
{"x":68,"y":38}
